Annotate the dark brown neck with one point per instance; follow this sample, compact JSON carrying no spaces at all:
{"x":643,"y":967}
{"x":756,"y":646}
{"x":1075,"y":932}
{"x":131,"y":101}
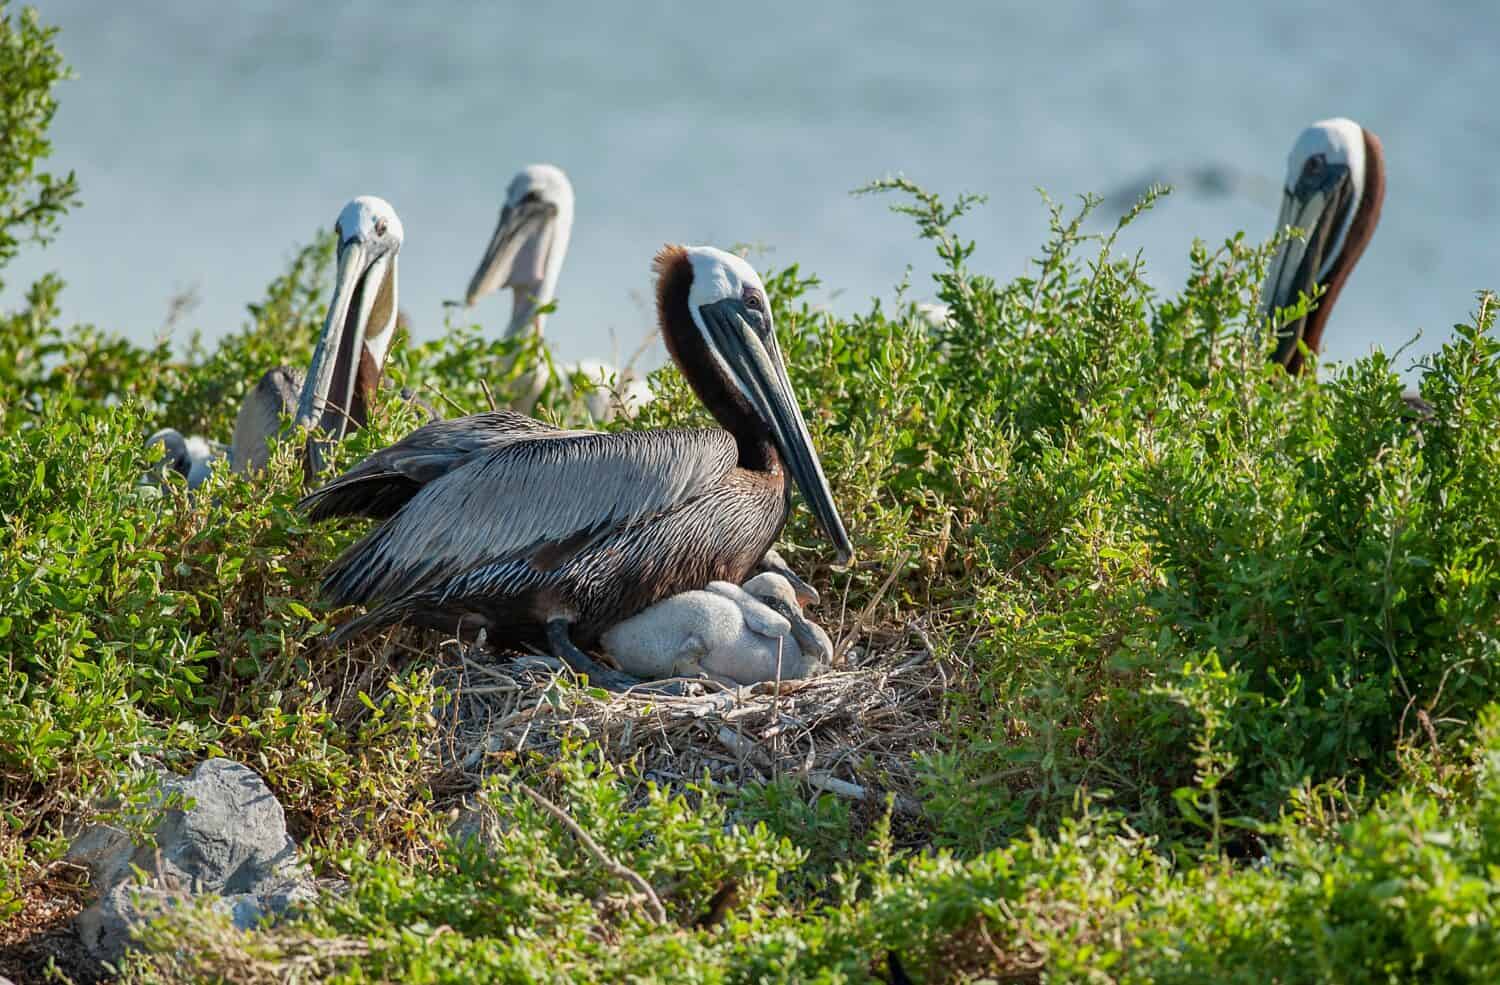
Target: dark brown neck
{"x":1360,"y":232}
{"x":366,"y":383}
{"x":384,"y":317}
{"x":703,"y":372}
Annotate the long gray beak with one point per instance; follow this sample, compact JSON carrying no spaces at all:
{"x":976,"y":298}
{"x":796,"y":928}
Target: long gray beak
{"x":756,"y":363}
{"x":1303,"y":263}
{"x":328,"y":391}
{"x":519,"y":224}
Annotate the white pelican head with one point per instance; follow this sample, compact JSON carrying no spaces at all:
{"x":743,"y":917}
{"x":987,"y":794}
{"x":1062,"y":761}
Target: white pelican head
{"x":526,"y":251}
{"x":1335,"y":183}
{"x":361,"y":321}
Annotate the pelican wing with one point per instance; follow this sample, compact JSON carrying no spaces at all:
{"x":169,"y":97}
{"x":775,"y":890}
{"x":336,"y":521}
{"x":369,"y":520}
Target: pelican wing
{"x":534,"y":503}
{"x":385,"y":481}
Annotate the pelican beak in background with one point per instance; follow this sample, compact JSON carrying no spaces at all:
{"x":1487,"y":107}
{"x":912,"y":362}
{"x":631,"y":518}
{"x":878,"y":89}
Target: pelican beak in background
{"x":517,"y":254}
{"x":754,"y":360}
{"x":328,"y":392}
{"x":1318,"y":205}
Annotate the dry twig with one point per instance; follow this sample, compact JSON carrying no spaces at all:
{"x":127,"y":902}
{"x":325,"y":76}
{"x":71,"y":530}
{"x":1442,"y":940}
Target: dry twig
{"x":657,"y":912}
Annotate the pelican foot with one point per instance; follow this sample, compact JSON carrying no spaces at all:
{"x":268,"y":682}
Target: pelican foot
{"x":581,"y":663}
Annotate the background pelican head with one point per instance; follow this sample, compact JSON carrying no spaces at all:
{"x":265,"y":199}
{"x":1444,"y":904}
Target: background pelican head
{"x":1335,"y":183}
{"x":360,"y":326}
{"x":716,"y":320}
{"x":526,"y":251}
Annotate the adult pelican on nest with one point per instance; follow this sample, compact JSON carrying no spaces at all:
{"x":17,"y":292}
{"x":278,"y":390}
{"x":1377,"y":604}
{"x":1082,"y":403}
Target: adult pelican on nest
{"x":526,"y":254}
{"x":503,"y":523}
{"x":341,"y":382}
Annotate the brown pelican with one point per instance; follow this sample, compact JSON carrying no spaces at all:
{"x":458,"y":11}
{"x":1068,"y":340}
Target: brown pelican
{"x":731,"y":634}
{"x":361,"y":323}
{"x":526,"y":253}
{"x":527,"y":248}
{"x":1335,"y":185}
{"x":346,"y":365}
{"x":500,"y":522}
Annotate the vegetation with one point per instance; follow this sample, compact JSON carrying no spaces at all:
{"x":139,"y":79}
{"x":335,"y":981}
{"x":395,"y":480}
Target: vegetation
{"x":1221,"y":648}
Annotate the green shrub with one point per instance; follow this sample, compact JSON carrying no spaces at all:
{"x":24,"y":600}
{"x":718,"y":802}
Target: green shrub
{"x":1221,"y":644}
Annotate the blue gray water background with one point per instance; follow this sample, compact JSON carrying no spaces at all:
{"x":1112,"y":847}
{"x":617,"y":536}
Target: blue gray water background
{"x":210,"y":138}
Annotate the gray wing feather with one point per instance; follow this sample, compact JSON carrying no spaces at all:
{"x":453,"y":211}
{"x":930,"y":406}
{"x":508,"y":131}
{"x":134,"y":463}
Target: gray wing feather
{"x":387,"y":479}
{"x":508,"y":503}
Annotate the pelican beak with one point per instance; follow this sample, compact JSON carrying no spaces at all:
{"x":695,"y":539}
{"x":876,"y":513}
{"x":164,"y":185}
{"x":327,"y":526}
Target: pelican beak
{"x":775,"y":563}
{"x":755,"y":362}
{"x":1318,"y":208}
{"x":328,"y":391}
{"x":514,"y":255}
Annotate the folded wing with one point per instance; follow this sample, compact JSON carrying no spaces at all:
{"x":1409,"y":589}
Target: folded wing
{"x":525,"y":500}
{"x":385,"y":481}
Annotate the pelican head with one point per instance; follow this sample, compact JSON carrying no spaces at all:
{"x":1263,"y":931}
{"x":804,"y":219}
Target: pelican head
{"x":1335,"y":184}
{"x":774,"y":590}
{"x":360,"y":325}
{"x":527,"y":249}
{"x":716,"y":320}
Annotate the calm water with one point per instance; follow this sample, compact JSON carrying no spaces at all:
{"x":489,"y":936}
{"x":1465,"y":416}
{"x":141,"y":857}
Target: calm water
{"x":208,"y":141}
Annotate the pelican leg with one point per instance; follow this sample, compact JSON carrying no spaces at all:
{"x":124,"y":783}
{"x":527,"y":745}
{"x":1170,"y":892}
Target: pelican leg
{"x":581,"y":663}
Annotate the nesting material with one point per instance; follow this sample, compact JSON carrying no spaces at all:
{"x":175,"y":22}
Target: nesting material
{"x":853,"y":732}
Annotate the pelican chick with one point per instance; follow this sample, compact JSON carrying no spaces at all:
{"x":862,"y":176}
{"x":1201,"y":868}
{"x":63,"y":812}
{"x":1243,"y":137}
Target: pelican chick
{"x":727,"y":633}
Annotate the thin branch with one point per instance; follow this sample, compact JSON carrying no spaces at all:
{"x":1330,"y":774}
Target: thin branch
{"x":654,"y":909}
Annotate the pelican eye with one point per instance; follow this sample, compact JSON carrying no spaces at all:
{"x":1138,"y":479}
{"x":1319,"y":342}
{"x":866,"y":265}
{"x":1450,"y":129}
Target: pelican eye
{"x":1314,"y":166}
{"x":381,"y":226}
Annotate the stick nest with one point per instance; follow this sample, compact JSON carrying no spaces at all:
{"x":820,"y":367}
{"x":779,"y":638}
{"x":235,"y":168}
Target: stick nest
{"x":853,"y":732}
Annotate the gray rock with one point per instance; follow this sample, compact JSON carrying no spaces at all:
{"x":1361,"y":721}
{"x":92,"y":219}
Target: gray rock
{"x":227,"y":837}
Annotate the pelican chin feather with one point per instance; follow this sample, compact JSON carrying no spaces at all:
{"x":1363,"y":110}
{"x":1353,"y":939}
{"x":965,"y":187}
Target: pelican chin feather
{"x":544,"y":536}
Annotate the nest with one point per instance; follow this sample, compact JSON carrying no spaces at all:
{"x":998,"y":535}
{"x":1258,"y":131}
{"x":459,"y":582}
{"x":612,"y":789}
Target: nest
{"x":853,"y":732}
